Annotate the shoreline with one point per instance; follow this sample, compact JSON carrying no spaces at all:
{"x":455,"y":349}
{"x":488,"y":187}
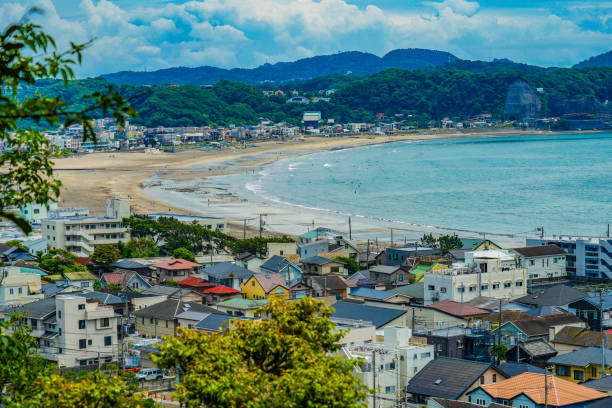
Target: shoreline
{"x":133,"y":175}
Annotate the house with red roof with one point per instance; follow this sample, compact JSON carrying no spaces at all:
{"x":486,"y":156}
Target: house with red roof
{"x":126,"y":279}
{"x":220,"y":293}
{"x":458,"y":309}
{"x":175,"y":269}
{"x":196,"y":284}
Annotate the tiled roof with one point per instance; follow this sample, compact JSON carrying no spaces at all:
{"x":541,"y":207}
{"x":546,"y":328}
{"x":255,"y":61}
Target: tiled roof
{"x":583,"y":357}
{"x":386,"y":269}
{"x":127,"y":264}
{"x":176,"y":265}
{"x":379,"y":316}
{"x":169,"y":309}
{"x":244,"y":256}
{"x":457,"y":309}
{"x":538,"y":326}
{"x":225,"y":270}
{"x":485,"y":302}
{"x":275,"y":264}
{"x":194,"y":281}
{"x":214,"y":322}
{"x":39,"y":309}
{"x":606,"y":301}
{"x":221,"y":289}
{"x":106,"y":298}
{"x":79,"y":276}
{"x":295,"y":258}
{"x":83,"y":260}
{"x":578,"y":336}
{"x":243,"y":304}
{"x":557,"y":295}
{"x":414,"y":290}
{"x":119,"y":278}
{"x":507,"y":316}
{"x":600,"y":384}
{"x":560,"y":392}
{"x":545,"y":311}
{"x":446,"y":377}
{"x":331,"y":282}
{"x":269,"y":281}
{"x":318,"y":260}
{"x":512,"y":368}
{"x":540,"y":250}
{"x":368,"y":293}
{"x":538,"y":348}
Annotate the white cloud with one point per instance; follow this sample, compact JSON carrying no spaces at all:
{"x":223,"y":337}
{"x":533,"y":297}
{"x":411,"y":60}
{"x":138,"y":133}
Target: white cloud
{"x":247,"y":33}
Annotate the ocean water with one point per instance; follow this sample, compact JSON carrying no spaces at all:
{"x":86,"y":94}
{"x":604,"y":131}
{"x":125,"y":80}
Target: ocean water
{"x":505,"y":185}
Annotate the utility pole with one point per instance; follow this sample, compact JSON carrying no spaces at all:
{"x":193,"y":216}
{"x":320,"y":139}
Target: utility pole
{"x":374,"y":378}
{"x":244,"y":229}
{"x":391,"y":237}
{"x":350,"y":229}
{"x":260,"y":224}
{"x":546,"y":387}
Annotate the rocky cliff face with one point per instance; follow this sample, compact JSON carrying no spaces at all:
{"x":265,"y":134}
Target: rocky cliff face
{"x":522,"y":101}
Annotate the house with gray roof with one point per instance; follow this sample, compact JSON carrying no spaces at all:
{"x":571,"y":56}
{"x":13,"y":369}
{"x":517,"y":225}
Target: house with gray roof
{"x":558,"y":295}
{"x":290,"y":272}
{"x":320,"y":265}
{"x":161,"y":319}
{"x":581,"y":365}
{"x":226,"y":273}
{"x":379,"y":316}
{"x":174,"y":292}
{"x":214,"y":323}
{"x":380,"y":295}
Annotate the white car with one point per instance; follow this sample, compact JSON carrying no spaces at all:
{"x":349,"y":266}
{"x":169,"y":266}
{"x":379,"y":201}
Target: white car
{"x":149,"y":374}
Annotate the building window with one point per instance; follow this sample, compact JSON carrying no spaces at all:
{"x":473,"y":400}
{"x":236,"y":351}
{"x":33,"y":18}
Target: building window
{"x":507,"y":285}
{"x":85,"y":284}
{"x":562,"y":371}
{"x":531,"y":262}
{"x":472,"y":289}
{"x":425,"y":355}
{"x":20,"y":290}
{"x":431,"y":287}
{"x":519,"y":283}
{"x":482,"y":380}
{"x":442,"y":290}
{"x":593,"y":371}
{"x":166,"y":324}
{"x":460,"y":290}
{"x":82,"y":306}
{"x":496,"y":286}
{"x":81,"y":324}
{"x":578,"y":375}
{"x":480,"y":401}
{"x":82,"y":343}
{"x":494,"y":377}
{"x":105,"y":322}
{"x":108,"y":341}
{"x":59,"y":314}
{"x":484,"y":287}
{"x":523,"y":406}
{"x":11,"y":291}
{"x":89,"y":342}
{"x":390,"y":389}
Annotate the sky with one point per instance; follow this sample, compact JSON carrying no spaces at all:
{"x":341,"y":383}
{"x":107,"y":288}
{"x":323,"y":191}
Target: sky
{"x":156,"y":34}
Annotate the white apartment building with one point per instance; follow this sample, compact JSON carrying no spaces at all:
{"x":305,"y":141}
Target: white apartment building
{"x":395,"y":362}
{"x":81,"y":235}
{"x":18,"y":285}
{"x":542,"y":262}
{"x":491,"y":273}
{"x":80,"y":332}
{"x":34,"y":212}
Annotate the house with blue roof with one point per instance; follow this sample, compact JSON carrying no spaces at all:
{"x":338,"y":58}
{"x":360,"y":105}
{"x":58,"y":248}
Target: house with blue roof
{"x":380,"y":295}
{"x":595,"y":311}
{"x":214,"y":323}
{"x":289,"y":271}
{"x":380,"y":317}
{"x":226,"y":273}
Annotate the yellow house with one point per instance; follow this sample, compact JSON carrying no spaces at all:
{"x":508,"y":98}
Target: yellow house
{"x":582,"y":365}
{"x":265,"y":286}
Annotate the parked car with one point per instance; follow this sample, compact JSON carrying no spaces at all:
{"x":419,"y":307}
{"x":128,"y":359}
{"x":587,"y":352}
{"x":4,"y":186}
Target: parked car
{"x":149,"y":374}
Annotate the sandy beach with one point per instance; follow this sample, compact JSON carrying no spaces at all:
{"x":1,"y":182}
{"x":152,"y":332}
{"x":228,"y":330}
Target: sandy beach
{"x":185,"y":182}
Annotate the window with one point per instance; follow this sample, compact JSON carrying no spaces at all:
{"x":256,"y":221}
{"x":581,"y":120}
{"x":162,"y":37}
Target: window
{"x":442,"y":290}
{"x":89,"y":342}
{"x":578,"y":375}
{"x":531,"y":262}
{"x":472,"y":288}
{"x":105,"y":322}
{"x":60,"y":351}
{"x":143,"y":320}
{"x":431,"y":287}
{"x":519,"y":283}
{"x":59,"y":314}
{"x":11,"y":291}
{"x":253,"y":283}
{"x":554,"y":260}
{"x":281,"y":252}
{"x":425,"y":355}
{"x":482,"y":380}
{"x":563,"y":371}
{"x":523,"y":406}
{"x":484,"y":287}
{"x":20,"y":291}
{"x":480,"y":401}
{"x":401,"y":277}
{"x":85,"y":284}
{"x":59,"y":331}
{"x":507,"y":285}
{"x":496,"y":286}
{"x":593,"y":371}
{"x":151,"y":321}
{"x":81,"y":324}
{"x":108,"y":341}
{"x":82,"y":343}
{"x":494,"y":377}
{"x":460,"y":290}
{"x":82,"y":306}
{"x":166,"y":324}
{"x":390,"y":389}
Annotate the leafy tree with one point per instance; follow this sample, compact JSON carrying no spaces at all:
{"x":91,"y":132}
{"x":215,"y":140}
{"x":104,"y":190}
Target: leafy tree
{"x":171,"y":282}
{"x":97,"y":285}
{"x":59,"y":261}
{"x":285,"y":361}
{"x":140,"y":248}
{"x":30,"y":381}
{"x":448,"y":242}
{"x":351,"y":264}
{"x":16,"y":243}
{"x":27,"y":55}
{"x":105,"y":255}
{"x":499,"y":351}
{"x":113,"y":288}
{"x":184,"y":253}
{"x":429,"y":240}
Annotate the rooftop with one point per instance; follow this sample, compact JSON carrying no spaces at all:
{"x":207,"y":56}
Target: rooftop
{"x":560,"y":392}
{"x":578,"y":336}
{"x":558,"y":295}
{"x":369,"y":293}
{"x":214,"y":322}
{"x":242,"y":304}
{"x":169,"y":309}
{"x":318,"y":260}
{"x":457,"y":309}
{"x":225,"y":270}
{"x":176,"y":264}
{"x":512,"y":368}
{"x":269,"y":281}
{"x":583,"y":357}
{"x":379,"y":316}
{"x":541,"y":250}
{"x":221,"y":290}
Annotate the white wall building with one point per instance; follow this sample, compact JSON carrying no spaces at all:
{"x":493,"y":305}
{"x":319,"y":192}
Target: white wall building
{"x":34,"y":213}
{"x":491,"y":273}
{"x":81,"y":235}
{"x":395,"y":362}
{"x":542,"y":262}
{"x":17,"y":286}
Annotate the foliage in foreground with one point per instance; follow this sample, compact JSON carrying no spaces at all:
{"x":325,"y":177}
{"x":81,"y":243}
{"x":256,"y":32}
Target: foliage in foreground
{"x":285,"y":361}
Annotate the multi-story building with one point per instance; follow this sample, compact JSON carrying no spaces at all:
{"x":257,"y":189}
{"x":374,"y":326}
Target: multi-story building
{"x":485,"y":273}
{"x":542,"y":262}
{"x":394,"y":363}
{"x":19,"y":285}
{"x":73,"y":330}
{"x":34,"y":213}
{"x":81,"y":235}
{"x":586,"y":256}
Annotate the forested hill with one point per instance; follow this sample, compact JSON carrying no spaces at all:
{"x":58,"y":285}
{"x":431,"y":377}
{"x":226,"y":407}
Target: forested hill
{"x":424,"y":94}
{"x":602,"y":60}
{"x":359,"y":63}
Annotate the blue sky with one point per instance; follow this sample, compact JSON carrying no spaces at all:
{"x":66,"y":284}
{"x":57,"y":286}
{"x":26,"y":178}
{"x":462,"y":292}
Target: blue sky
{"x":156,"y":34}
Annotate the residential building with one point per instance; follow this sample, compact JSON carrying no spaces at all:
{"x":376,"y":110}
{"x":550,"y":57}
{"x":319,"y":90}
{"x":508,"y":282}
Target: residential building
{"x":19,"y":285}
{"x":595,"y":311}
{"x":397,"y":360}
{"x":280,"y":248}
{"x":210,"y":223}
{"x":490,"y":273}
{"x":557,"y":295}
{"x":81,"y":235}
{"x":299,"y":291}
{"x":415,"y":291}
{"x":319,"y":265}
{"x":219,"y":293}
{"x":586,"y":256}
{"x":397,"y":256}
{"x":535,"y":328}
{"x":130,"y":265}
{"x":265,"y":286}
{"x":532,"y":390}
{"x":34,"y":213}
{"x":536,"y":352}
{"x":35,"y":246}
{"x":226,"y":273}
{"x":380,"y":295}
{"x":461,"y":310}
{"x":316,"y":234}
{"x":512,"y":368}
{"x":477,"y":244}
{"x":82,"y":279}
{"x":214,"y":323}
{"x":196,"y":284}
{"x":452,"y":378}
{"x":175,"y":269}
{"x":583,"y":365}
{"x":543,"y":262}
{"x":241,"y":307}
{"x":421,"y":316}
{"x":289,"y":271}
{"x":248,"y":261}
{"x":312,"y":248}
{"x":572,"y":338}
{"x":380,"y":317}
{"x":173,"y":292}
{"x":160,"y":319}
{"x":388,"y":274}
{"x":601,"y":384}
{"x":469,"y":343}
{"x":127,"y":280}
{"x":328,"y":285}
